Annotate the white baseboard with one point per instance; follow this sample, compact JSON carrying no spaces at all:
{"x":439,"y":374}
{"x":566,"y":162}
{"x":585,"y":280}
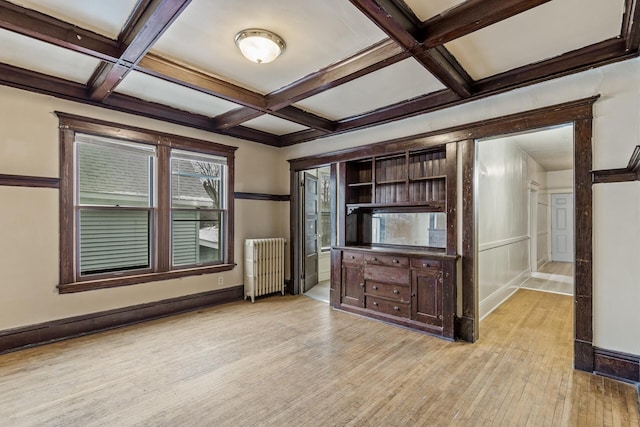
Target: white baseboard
{"x":496,"y":299}
{"x":542,"y":262}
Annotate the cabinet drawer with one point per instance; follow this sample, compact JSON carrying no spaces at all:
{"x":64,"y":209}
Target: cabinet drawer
{"x":426,"y":263}
{"x":395,"y":308}
{"x":392,"y":261}
{"x":387,"y":290}
{"x":352,"y":257}
{"x":386,"y":274}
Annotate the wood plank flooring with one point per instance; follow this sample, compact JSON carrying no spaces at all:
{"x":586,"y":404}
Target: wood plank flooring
{"x":293,"y":361}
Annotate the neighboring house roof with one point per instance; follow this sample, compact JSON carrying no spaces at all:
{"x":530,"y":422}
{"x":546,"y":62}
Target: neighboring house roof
{"x":114,"y":172}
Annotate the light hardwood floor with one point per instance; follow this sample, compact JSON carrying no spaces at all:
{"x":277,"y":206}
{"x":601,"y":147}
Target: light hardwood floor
{"x":555,"y":267}
{"x":293,"y":361}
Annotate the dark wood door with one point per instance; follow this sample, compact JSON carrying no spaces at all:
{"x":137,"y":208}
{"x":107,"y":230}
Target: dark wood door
{"x":353,"y":285}
{"x":426,"y":294}
{"x":310,"y":232}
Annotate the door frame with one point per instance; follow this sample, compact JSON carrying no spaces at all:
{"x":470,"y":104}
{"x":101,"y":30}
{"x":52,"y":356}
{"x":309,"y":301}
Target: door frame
{"x":578,"y":112}
{"x":296,"y":219}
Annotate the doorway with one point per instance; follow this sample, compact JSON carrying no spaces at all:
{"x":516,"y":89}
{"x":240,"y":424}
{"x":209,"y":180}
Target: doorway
{"x":519,"y":177}
{"x":316,"y":262}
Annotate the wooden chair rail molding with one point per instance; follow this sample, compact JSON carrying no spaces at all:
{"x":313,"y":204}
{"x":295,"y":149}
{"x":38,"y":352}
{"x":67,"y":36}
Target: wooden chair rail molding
{"x":630,"y":173}
{"x":29,"y":181}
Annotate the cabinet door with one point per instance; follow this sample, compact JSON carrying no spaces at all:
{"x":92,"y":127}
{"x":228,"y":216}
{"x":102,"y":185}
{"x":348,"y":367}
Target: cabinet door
{"x":426,"y":295}
{"x":352,"y":285}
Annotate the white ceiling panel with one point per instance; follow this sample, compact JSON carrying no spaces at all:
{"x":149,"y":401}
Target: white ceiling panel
{"x":551,"y":148}
{"x":274,"y":125}
{"x":317,"y":33}
{"x":87,"y":14}
{"x":157,"y":90}
{"x":425,"y":9}
{"x":541,"y":33}
{"x":405,"y":80}
{"x":44,"y":58}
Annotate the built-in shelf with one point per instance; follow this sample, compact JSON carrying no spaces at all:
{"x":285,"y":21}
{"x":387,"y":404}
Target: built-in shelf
{"x":427,"y":178}
{"x":411,"y":178}
{"x":393,"y":181}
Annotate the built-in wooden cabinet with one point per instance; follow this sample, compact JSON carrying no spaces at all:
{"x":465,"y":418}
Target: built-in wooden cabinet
{"x":409,"y":178}
{"x":415,"y":289}
{"x":383,"y":273}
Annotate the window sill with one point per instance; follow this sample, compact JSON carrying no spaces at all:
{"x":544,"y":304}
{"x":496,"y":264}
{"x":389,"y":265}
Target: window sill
{"x":90,"y":285}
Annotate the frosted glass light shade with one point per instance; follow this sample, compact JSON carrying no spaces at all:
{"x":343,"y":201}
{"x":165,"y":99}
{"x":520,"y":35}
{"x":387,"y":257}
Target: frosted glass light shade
{"x":260,"y":46}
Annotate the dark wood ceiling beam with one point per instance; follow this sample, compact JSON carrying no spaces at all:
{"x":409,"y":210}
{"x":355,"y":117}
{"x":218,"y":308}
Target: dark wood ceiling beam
{"x":305,"y":118}
{"x":631,"y":25}
{"x":64,"y":89}
{"x":301,"y":136}
{"x":401,"y":110}
{"x":470,"y":16}
{"x":235,"y":117}
{"x":155,"y":19}
{"x":165,"y":69}
{"x":367,"y":61}
{"x":374,"y":58}
{"x":54,"y":31}
{"x":599,"y":54}
{"x":135,"y":15}
{"x":401,"y":27}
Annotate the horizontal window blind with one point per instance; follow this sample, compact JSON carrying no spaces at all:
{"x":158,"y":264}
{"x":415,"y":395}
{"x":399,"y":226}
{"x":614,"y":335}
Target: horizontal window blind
{"x":113,"y":240}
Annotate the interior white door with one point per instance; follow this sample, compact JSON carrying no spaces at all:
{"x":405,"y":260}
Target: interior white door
{"x":562,"y":227}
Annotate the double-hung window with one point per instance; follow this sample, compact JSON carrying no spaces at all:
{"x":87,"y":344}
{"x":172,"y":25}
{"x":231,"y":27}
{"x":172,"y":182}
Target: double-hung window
{"x":114,"y":205}
{"x":198,"y":201}
{"x":138,"y":206}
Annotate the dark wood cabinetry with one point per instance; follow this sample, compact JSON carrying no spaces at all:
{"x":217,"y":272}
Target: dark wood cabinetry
{"x":385,"y":271}
{"x":352,"y":279}
{"x":399,"y":286}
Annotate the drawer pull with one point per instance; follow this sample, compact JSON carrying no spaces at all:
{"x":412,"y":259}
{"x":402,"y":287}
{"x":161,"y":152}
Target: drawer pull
{"x":395,"y":261}
{"x":396,"y":308}
{"x":374,"y":259}
{"x":375,"y":303}
{"x":413,"y":294}
{"x":353,"y":257}
{"x":395,"y":291}
{"x":426,"y":264}
{"x":362,"y":285}
{"x":375,"y":287}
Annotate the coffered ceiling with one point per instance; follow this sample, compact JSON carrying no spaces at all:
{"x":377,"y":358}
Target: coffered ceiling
{"x":349,"y":64}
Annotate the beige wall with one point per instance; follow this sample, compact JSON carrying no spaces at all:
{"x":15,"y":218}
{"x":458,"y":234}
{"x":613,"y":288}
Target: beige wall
{"x":616,"y":132}
{"x":29,"y":216}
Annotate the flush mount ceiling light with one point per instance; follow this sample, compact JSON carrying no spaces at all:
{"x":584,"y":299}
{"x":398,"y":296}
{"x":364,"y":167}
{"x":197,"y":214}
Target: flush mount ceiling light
{"x":259,"y":46}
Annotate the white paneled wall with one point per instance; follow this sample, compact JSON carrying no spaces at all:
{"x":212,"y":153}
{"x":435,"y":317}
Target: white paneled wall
{"x":504,"y":175}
